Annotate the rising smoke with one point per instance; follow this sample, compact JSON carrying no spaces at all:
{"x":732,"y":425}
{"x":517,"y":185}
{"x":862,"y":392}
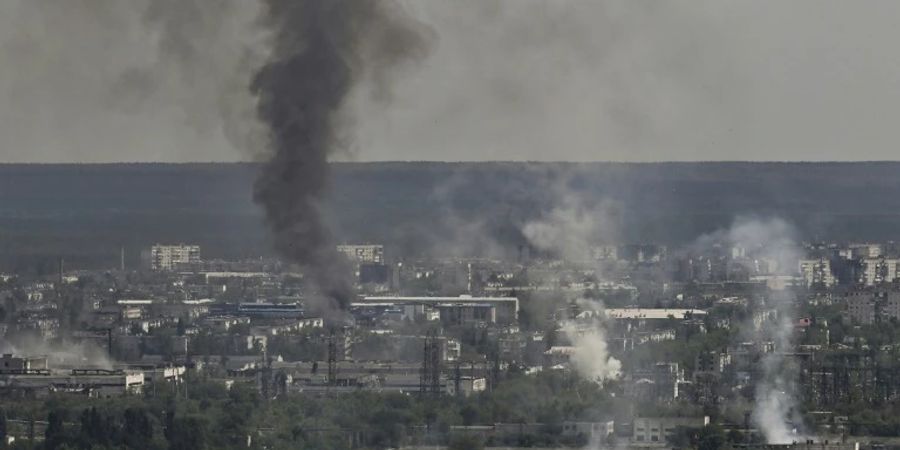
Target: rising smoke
{"x":775,"y":411}
{"x":205,"y":77}
{"x":775,"y":408}
{"x":590,"y":356}
{"x":59,"y":353}
{"x":772,"y":240}
{"x":568,"y":230}
{"x":320,"y":51}
{"x":142,"y":80}
{"x":572,"y":227}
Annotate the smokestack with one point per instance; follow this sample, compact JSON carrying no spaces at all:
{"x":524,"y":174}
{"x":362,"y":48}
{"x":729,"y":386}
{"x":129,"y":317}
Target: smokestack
{"x":122,"y":259}
{"x":321,"y":50}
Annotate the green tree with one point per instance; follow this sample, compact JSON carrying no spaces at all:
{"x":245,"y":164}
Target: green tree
{"x":2,"y":428}
{"x":96,"y":429}
{"x":137,"y":430}
{"x":712,"y":437}
{"x":54,"y":434}
{"x":465,"y":442}
{"x":469,"y":415}
{"x":187,"y":433}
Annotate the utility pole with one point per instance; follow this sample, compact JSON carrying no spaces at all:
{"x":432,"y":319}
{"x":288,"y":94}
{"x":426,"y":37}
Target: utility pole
{"x":430,"y":381}
{"x":457,"y":378}
{"x":435,"y":366}
{"x":424,"y":375}
{"x":332,"y":360}
{"x":495,"y":369}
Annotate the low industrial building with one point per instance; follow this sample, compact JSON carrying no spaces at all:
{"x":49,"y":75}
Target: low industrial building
{"x":37,"y":383}
{"x":501,"y":310}
{"x":654,"y":430}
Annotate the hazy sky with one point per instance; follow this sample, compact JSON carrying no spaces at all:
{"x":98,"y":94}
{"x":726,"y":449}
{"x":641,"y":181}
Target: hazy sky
{"x":624,"y":80}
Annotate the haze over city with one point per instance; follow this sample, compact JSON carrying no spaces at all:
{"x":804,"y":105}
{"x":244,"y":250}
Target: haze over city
{"x":577,"y":80}
{"x":466,"y":225}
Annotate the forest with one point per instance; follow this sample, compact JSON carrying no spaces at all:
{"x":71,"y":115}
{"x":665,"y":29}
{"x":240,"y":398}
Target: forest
{"x":87,"y":213}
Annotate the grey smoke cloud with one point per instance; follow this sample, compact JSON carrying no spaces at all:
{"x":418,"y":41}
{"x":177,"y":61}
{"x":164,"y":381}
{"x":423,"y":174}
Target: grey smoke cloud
{"x":57,"y":354}
{"x":320,"y":51}
{"x":590,"y":351}
{"x":772,"y":239}
{"x":573,"y":226}
{"x":143,"y":80}
{"x":776,"y":391}
{"x":647,"y":81}
{"x":269,"y":78}
{"x":637,"y":80}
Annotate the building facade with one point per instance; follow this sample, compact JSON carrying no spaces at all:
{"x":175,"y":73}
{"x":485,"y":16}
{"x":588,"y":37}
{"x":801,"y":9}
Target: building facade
{"x":867,"y":307}
{"x":654,"y":430}
{"x":862,"y":307}
{"x":817,"y":272}
{"x":364,"y":253}
{"x":167,"y":257}
{"x":877,"y":271}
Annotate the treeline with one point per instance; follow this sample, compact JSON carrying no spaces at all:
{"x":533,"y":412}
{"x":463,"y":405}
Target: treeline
{"x":143,"y":423}
{"x":204,"y":414}
{"x":86,"y":213}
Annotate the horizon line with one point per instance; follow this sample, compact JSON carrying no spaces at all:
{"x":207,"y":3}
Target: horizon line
{"x":429,"y":161}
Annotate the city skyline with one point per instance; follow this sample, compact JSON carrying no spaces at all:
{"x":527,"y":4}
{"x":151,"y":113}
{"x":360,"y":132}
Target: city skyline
{"x":467,"y":225}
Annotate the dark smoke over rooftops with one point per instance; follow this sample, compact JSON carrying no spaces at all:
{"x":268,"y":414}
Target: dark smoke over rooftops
{"x":320,"y":51}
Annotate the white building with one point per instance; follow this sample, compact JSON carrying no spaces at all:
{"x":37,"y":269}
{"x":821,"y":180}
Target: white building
{"x":470,"y":385}
{"x":879,"y":270}
{"x":865,"y":250}
{"x":653,"y":313}
{"x":817,"y":272}
{"x":89,"y":382}
{"x":593,"y":431}
{"x":363,"y":253}
{"x":166,"y":257}
{"x":605,"y":253}
{"x":505,"y":309}
{"x":655,"y":429}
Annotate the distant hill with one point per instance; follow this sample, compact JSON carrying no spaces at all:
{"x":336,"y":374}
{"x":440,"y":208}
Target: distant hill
{"x":86,"y":212}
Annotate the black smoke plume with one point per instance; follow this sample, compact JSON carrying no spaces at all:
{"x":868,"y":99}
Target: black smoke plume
{"x":320,"y":51}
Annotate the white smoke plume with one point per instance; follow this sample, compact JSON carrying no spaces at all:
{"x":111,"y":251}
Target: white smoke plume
{"x":560,"y":219}
{"x":573,"y":225}
{"x":570,"y":229}
{"x":775,"y":410}
{"x":590,"y":352}
{"x":769,"y":415}
{"x":59,"y":355}
{"x":776,"y":391}
{"x":772,"y":239}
